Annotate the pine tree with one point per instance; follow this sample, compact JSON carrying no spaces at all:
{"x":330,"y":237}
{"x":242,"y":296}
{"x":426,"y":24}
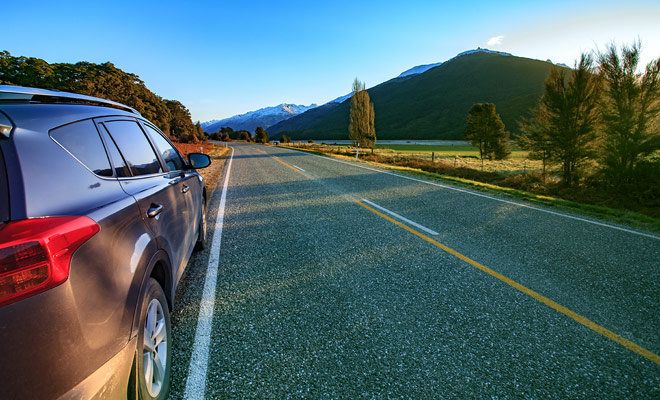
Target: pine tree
{"x":630,"y":112}
{"x":563,"y":125}
{"x":485,"y":130}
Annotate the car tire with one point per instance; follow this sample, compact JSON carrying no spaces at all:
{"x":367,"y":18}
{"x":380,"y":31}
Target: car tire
{"x":202,"y":230}
{"x":154,"y":347}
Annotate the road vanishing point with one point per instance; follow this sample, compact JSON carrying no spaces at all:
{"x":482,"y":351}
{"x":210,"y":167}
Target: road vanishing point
{"x":330,"y":278}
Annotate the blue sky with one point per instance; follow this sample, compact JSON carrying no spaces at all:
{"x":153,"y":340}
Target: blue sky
{"x":222,"y":58}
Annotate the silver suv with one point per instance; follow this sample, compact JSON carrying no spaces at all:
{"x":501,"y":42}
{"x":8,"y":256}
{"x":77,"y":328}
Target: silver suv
{"x":99,"y":214}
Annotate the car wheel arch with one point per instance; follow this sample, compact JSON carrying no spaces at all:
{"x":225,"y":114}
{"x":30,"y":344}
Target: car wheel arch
{"x":159,"y":268}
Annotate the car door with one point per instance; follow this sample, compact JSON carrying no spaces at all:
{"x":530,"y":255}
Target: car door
{"x":191,"y":187}
{"x":158,"y":192}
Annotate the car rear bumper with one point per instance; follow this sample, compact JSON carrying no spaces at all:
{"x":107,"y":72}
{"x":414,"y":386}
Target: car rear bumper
{"x":110,"y":381}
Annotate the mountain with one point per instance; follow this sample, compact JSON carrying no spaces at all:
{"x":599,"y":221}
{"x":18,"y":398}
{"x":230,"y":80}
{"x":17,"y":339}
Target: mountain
{"x":434,"y":104}
{"x":264,"y":117}
{"x":207,"y":123}
{"x":423,"y":68}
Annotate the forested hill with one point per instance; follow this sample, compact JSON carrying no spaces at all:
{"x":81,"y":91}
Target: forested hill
{"x":102,"y":80}
{"x":434,"y":104}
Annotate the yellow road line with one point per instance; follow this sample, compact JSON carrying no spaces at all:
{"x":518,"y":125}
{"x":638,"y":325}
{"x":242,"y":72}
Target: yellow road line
{"x":280,"y":161}
{"x":555,"y":306}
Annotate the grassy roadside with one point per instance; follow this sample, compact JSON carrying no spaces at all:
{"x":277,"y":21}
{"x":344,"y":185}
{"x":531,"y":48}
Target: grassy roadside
{"x":218,"y":155}
{"x":619,"y":216}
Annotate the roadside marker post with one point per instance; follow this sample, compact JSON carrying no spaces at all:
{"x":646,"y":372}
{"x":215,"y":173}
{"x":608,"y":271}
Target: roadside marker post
{"x":357,"y":152}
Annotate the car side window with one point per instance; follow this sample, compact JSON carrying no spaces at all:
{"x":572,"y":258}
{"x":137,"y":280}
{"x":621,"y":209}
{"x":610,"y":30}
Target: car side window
{"x":121,"y":169}
{"x":134,"y":146}
{"x":167,"y":151}
{"x":82,"y":140}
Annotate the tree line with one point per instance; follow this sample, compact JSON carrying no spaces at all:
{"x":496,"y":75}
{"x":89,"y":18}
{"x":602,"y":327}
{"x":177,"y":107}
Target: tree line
{"x":227,"y":134}
{"x":105,"y":81}
{"x":599,"y":121}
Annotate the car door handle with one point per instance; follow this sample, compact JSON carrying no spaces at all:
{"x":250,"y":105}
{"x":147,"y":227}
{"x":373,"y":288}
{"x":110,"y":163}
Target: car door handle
{"x":154,"y":210}
{"x":185,"y":189}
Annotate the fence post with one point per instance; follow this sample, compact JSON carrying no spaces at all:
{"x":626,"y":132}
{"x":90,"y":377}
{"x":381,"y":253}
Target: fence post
{"x":433,"y":156}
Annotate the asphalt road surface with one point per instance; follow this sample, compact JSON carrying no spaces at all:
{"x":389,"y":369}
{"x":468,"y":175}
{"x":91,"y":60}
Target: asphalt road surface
{"x":339,"y":280}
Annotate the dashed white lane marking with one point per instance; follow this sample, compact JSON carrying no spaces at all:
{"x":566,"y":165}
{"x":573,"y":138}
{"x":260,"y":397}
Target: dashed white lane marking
{"x":399,"y":217}
{"x":196,"y":382}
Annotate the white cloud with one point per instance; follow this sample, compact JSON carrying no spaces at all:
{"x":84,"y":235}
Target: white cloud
{"x":495,"y":40}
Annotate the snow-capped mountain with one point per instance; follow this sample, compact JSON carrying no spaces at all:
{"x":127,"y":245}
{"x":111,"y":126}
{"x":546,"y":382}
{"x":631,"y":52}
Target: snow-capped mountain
{"x":270,"y":116}
{"x":264,"y":117}
{"x":480,"y":50}
{"x":423,"y":68}
{"x":420,"y":69}
{"x":341,"y":99}
{"x":406,"y":107}
{"x":207,"y":123}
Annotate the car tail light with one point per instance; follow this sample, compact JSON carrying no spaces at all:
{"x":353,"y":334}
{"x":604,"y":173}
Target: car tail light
{"x":35,"y":253}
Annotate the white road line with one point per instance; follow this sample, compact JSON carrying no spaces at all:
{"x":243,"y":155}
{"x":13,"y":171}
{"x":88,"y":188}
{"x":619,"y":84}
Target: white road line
{"x":494,"y":198}
{"x":196,"y":382}
{"x":295,"y":166}
{"x":397,"y":216}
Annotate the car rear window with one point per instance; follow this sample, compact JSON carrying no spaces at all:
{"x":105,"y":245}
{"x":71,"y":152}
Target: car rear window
{"x":4,"y":191}
{"x":82,"y":140}
{"x":134,"y":146}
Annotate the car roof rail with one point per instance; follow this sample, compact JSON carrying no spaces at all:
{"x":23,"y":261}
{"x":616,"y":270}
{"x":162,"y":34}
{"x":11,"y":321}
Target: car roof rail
{"x":21,"y":93}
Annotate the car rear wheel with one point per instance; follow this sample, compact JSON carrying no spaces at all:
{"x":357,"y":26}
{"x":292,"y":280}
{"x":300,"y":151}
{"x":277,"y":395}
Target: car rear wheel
{"x":154,"y":357}
{"x":202,"y":230}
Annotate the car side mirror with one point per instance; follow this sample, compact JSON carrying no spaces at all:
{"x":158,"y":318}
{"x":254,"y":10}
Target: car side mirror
{"x":199,"y":160}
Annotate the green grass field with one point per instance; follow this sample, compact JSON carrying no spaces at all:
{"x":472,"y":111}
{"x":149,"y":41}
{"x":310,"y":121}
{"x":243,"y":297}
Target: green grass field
{"x":425,"y":151}
{"x":459,"y":155}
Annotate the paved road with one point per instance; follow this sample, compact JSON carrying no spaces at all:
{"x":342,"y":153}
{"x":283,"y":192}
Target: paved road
{"x":338,"y":281}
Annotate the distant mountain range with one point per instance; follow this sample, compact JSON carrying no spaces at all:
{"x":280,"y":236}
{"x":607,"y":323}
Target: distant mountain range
{"x":424,"y":102}
{"x":432,"y":101}
{"x":264,"y":117}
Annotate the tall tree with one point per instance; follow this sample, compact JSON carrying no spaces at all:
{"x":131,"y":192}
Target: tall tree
{"x":361,"y":128}
{"x":535,"y":140}
{"x":199,"y":131}
{"x":566,"y":117}
{"x":630,"y":111}
{"x":181,"y":126}
{"x":485,"y":130}
{"x":260,"y":135}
